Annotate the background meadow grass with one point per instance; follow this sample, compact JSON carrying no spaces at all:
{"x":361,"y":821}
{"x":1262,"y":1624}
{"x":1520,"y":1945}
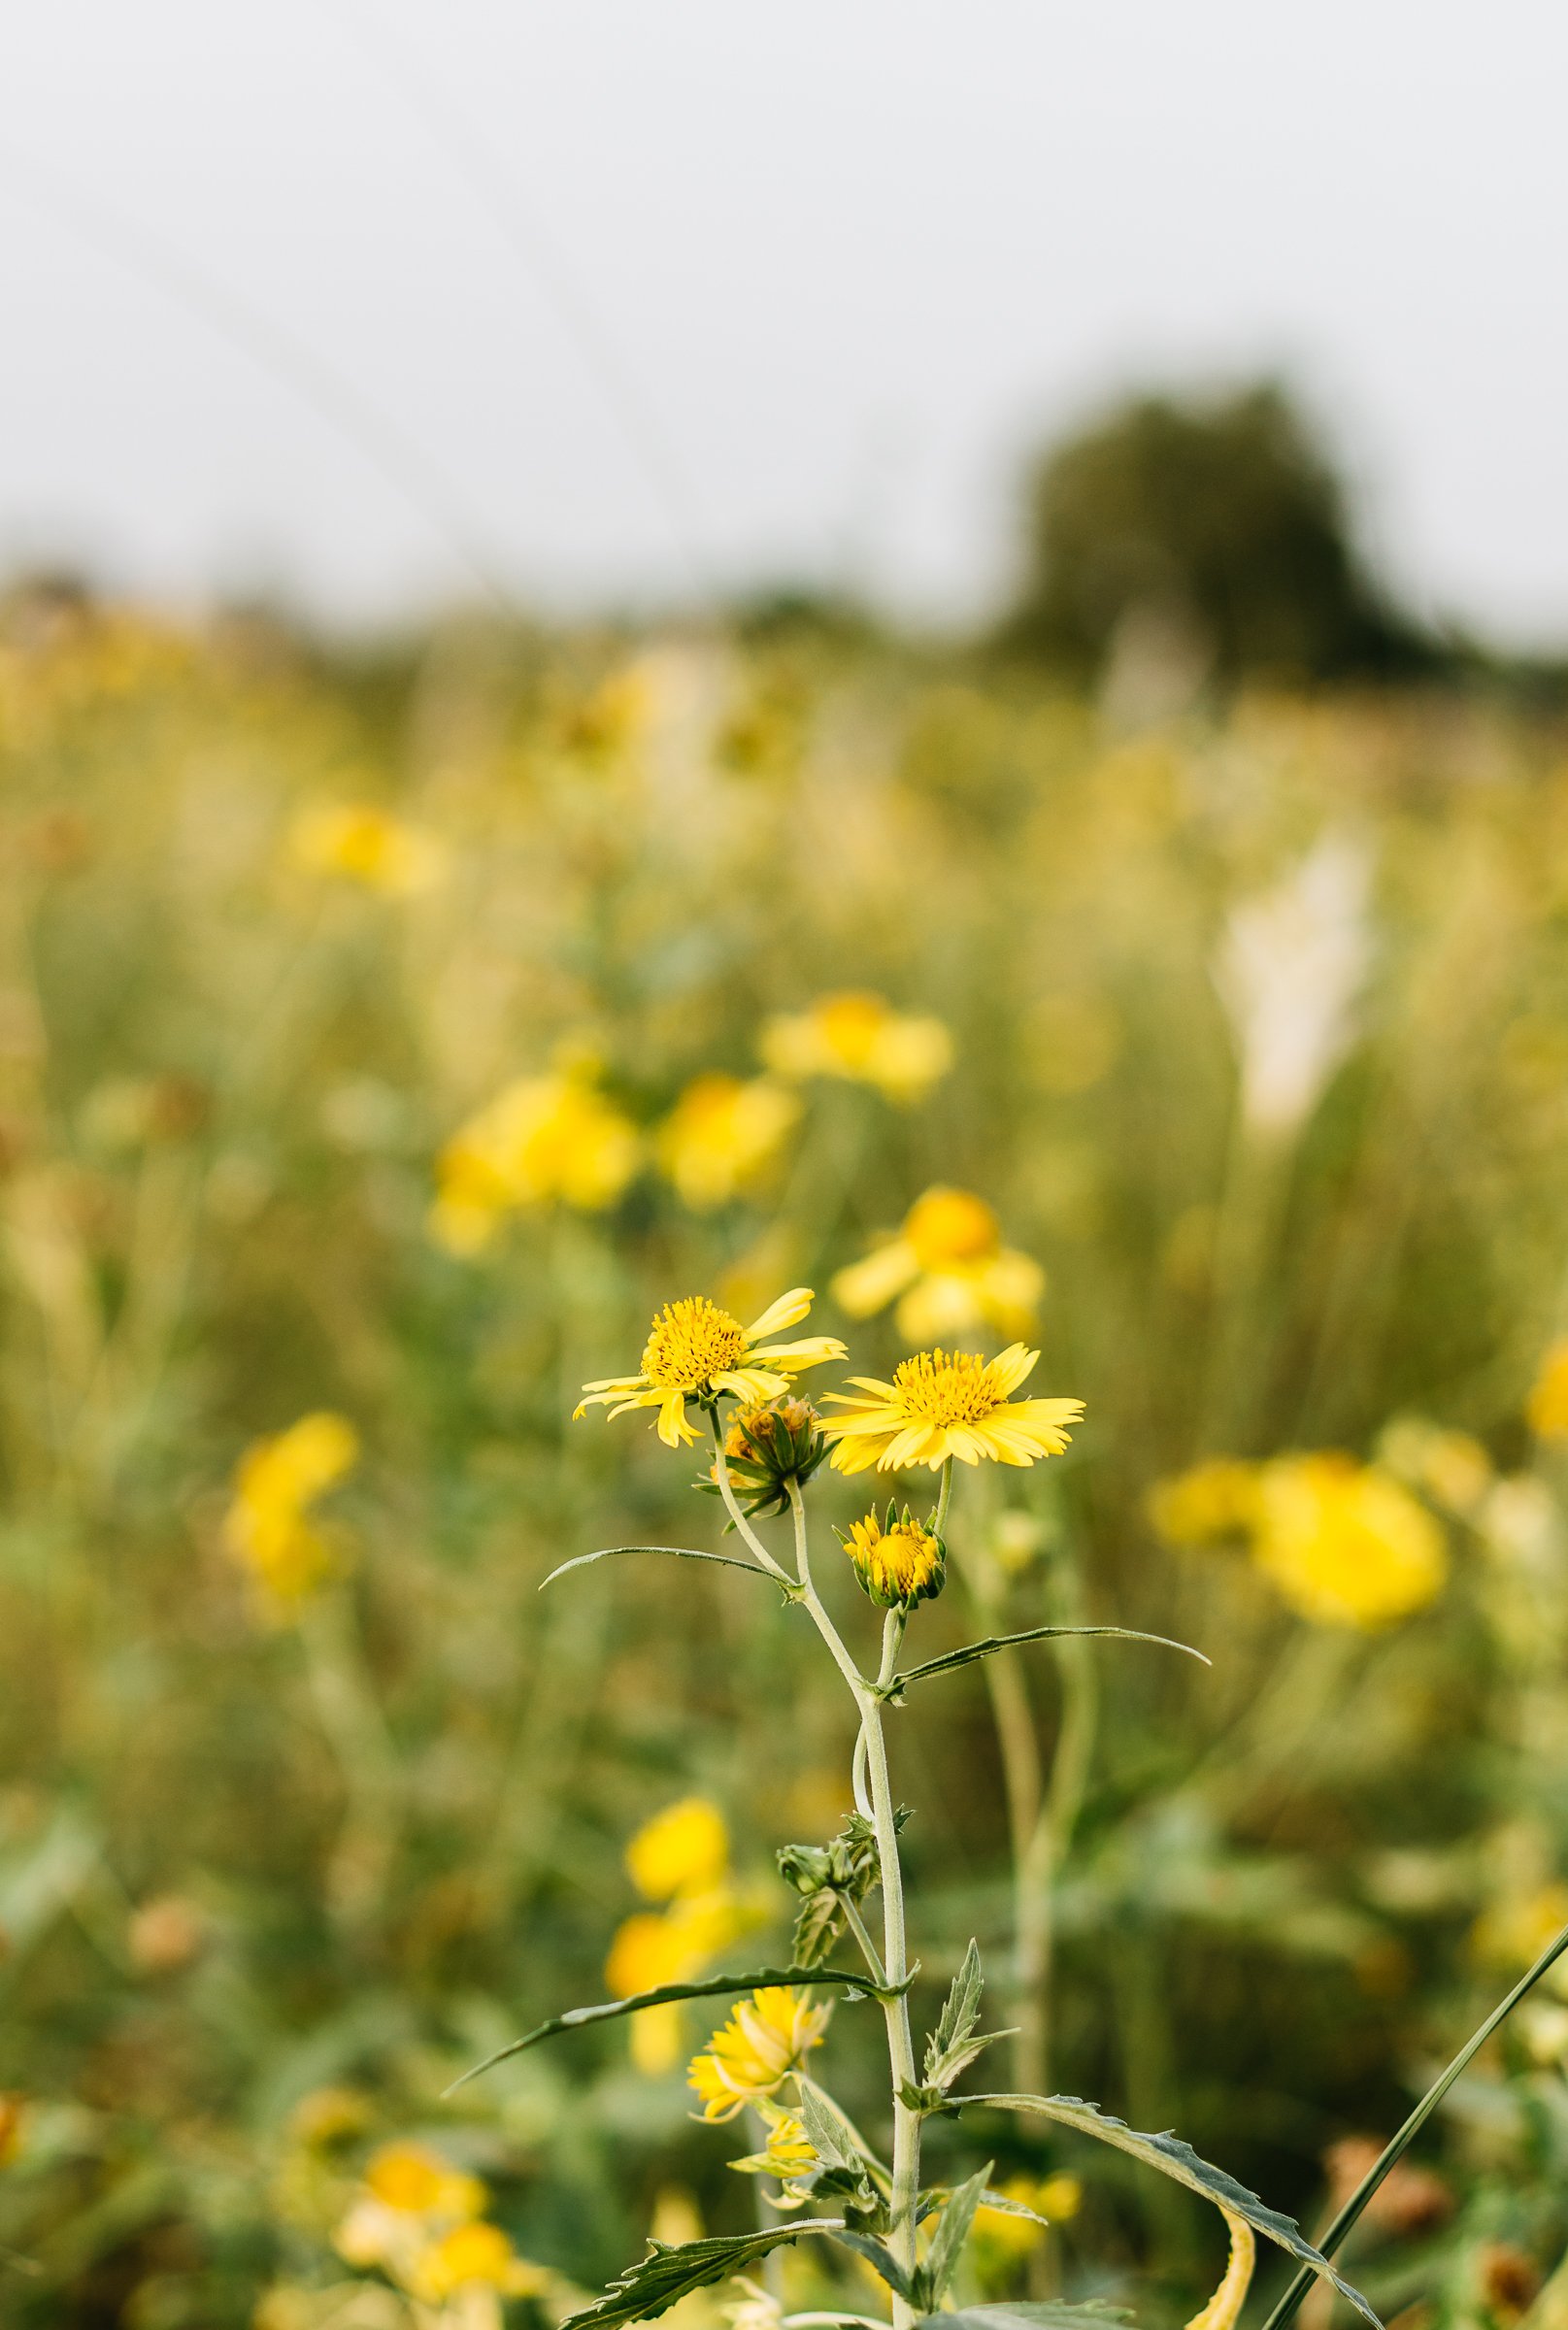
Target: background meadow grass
{"x":253,"y":1857}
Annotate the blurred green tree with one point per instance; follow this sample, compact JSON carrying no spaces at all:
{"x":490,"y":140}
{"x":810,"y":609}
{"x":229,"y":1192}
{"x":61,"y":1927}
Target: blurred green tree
{"x":1211,"y":534}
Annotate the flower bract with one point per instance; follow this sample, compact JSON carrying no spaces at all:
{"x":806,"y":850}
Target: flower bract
{"x":897,"y":1562}
{"x":697,"y":1351}
{"x":942,"y":1404}
{"x":746,"y":2061}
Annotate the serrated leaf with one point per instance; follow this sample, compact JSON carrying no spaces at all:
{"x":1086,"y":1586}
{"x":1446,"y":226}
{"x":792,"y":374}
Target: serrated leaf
{"x":826,"y":2131}
{"x":1174,"y":2158}
{"x":718,"y":1985}
{"x":960,"y":2014}
{"x":894,"y":1690}
{"x":668,"y":2274}
{"x":579,"y":1561}
{"x":952,"y":2231}
{"x":1050,"y":2314}
{"x":880,"y":2257}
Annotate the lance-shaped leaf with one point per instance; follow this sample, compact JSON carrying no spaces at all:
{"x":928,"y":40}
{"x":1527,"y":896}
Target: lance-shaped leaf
{"x":879,"y":2255}
{"x":668,"y":2274}
{"x":579,"y":1561}
{"x":718,"y":1985}
{"x":1174,"y":2158}
{"x":952,"y":2231}
{"x":1023,"y":2313}
{"x":952,"y":2045}
{"x":895,"y":1691}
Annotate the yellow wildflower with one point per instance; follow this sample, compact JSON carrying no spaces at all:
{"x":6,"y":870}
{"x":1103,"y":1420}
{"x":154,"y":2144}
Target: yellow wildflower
{"x":696,"y":1351}
{"x":542,"y":1140}
{"x":357,"y":842}
{"x":1001,"y":2239}
{"x":1510,"y":1934}
{"x":947,"y":1269}
{"x":1547,"y":1406}
{"x":860,"y":1036}
{"x":1343,"y":1543}
{"x":942,"y":1404}
{"x":746,"y":2061}
{"x":675,"y":1946}
{"x":683,"y":1849}
{"x":722,"y":1134}
{"x":277,"y":1483}
{"x":417,"y":2181}
{"x":898,"y":1563}
{"x":1208,"y":1502}
{"x":469,"y":2256}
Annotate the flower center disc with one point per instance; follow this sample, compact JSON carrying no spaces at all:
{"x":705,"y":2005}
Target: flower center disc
{"x":691,"y":1342}
{"x":947,"y":1387}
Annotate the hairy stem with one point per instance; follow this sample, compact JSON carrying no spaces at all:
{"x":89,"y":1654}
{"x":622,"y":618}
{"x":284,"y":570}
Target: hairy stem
{"x":728,"y":1492}
{"x":895,"y":1957}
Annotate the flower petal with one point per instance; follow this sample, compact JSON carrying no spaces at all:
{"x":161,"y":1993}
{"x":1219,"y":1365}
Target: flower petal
{"x":787,"y":1312}
{"x":871,"y":1283}
{"x":673,"y":1427}
{"x":1008,"y":1368}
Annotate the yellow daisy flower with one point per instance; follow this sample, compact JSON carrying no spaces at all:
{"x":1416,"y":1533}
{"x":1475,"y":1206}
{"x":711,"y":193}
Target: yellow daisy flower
{"x":722,"y":1134}
{"x":949,"y":1271}
{"x":683,"y":1849}
{"x":1205,"y":1504}
{"x":788,"y":2155}
{"x":358,"y":841}
{"x":472,"y":2256}
{"x":278,"y":1482}
{"x":766,"y":2039}
{"x":860,"y":1036}
{"x":1547,"y":1406}
{"x":898,"y":1563}
{"x":942,"y":1404}
{"x":1343,"y":1543}
{"x":696,"y":1351}
{"x":543,"y":1140}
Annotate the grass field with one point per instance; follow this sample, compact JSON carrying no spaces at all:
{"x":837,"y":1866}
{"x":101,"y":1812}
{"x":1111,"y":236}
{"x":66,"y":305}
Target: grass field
{"x":383,"y":1043}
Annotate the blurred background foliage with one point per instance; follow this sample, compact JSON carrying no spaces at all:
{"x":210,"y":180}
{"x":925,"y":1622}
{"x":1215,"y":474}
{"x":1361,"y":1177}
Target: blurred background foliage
{"x":383,"y":1037}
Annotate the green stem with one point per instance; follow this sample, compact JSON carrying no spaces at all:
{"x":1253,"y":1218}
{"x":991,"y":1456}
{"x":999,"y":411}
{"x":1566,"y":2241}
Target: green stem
{"x":906,"y":2190}
{"x":943,"y":1496}
{"x":726,"y":1491}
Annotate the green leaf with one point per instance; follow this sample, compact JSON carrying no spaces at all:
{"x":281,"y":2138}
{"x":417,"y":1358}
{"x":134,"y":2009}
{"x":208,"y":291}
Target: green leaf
{"x":718,"y":1985}
{"x":1174,"y":2158}
{"x":880,"y":2257}
{"x":895,"y":1691}
{"x":816,"y":1927}
{"x":668,"y":2274}
{"x":960,"y":2016}
{"x":952,"y":2231}
{"x":1020,"y":2314}
{"x":1398,"y":2145}
{"x":579,"y":1561}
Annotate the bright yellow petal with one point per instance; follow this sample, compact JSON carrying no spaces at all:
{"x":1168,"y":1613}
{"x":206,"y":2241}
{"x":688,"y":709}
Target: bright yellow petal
{"x":787,"y":1312}
{"x":871,"y":1284}
{"x":1008,"y":1369}
{"x":673,"y":1427}
{"x":814,"y":1351}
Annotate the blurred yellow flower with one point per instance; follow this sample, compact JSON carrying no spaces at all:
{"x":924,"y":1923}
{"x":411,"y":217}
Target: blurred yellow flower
{"x":544,"y":1139}
{"x":13,"y":2124}
{"x":1510,"y":1934}
{"x":357,"y":842}
{"x":695,"y":1351}
{"x":1343,"y":1543}
{"x":683,"y":1849}
{"x":1547,"y":1406}
{"x":746,"y":2061}
{"x":277,"y":1483}
{"x":675,"y":1946}
{"x":417,"y":2181}
{"x":860,"y":1036}
{"x":722,"y":1134}
{"x":1002,"y":2239}
{"x":471,"y":2255}
{"x":949,"y":1271}
{"x":1205,"y":1504}
{"x":942,"y":1404}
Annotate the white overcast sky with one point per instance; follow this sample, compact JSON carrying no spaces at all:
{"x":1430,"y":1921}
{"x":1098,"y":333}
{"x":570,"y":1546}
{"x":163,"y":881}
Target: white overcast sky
{"x":327,"y":295}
